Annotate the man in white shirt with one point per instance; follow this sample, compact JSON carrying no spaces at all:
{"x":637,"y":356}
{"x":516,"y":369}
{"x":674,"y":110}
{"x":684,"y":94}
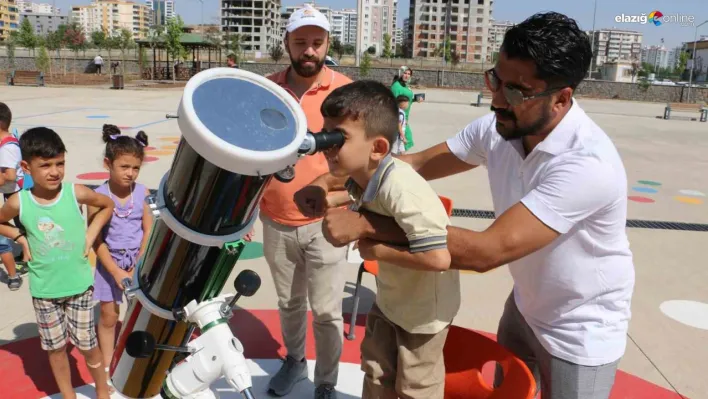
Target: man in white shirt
{"x":98,"y":61}
{"x":559,"y":192}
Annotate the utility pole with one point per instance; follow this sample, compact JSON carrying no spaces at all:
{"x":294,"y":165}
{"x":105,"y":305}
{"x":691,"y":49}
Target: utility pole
{"x":359,"y":31}
{"x":592,"y":40}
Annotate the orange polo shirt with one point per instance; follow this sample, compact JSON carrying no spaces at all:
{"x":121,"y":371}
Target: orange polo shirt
{"x":277,"y":202}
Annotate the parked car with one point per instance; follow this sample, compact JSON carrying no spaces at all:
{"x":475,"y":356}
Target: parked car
{"x":330,"y":62}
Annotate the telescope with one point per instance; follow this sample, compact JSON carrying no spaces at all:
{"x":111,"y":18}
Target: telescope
{"x":239,"y":130}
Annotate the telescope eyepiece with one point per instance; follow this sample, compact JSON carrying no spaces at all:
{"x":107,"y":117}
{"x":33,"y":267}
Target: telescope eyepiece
{"x":323,"y":141}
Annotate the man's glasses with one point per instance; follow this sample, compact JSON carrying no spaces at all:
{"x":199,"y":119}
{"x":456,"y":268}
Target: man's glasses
{"x":513,"y":96}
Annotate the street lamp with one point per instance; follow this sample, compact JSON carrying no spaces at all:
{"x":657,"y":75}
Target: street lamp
{"x":693,"y":58}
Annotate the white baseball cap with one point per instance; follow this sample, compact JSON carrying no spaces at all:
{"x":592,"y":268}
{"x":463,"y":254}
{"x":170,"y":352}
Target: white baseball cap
{"x":307,"y":16}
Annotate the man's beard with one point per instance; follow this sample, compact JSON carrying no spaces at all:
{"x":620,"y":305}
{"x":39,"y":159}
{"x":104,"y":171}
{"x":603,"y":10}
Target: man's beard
{"x":307,"y":71}
{"x":517,"y":132}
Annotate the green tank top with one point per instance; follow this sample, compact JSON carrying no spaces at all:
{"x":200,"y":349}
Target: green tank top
{"x":56,"y":234}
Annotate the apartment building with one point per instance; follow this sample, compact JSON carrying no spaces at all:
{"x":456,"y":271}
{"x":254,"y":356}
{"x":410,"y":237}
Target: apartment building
{"x":162,"y":10}
{"x":110,"y":16}
{"x":658,"y":56}
{"x":44,"y":23}
{"x":700,"y":68}
{"x":465,"y":22}
{"x":377,"y":18}
{"x":9,"y":18}
{"x":258,"y":21}
{"x":615,"y":45}
{"x":288,"y":11}
{"x":497,"y":30}
{"x":36,"y":8}
{"x":343,"y":24}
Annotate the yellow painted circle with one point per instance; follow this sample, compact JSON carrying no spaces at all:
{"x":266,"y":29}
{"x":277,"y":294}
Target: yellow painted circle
{"x":168,"y":147}
{"x":689,"y":200}
{"x":170,"y":138}
{"x":160,"y":152}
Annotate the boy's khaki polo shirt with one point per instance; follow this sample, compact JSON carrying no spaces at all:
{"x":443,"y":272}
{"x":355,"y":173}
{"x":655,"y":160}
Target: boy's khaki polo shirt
{"x":420,"y":302}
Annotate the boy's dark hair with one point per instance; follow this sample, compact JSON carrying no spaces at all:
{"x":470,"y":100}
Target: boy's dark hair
{"x":402,"y":99}
{"x":40,"y":142}
{"x":560,"y":50}
{"x":117,"y":145}
{"x":5,"y":116}
{"x":369,"y":100}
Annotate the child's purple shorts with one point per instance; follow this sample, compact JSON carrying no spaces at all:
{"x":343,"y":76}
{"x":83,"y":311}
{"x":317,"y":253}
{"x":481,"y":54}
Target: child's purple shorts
{"x":105,"y":287}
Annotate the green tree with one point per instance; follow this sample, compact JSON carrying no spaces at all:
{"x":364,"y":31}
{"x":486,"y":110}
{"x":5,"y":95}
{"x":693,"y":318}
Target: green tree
{"x":371,"y":50}
{"x":53,"y":42}
{"x":233,"y":43}
{"x":365,"y":65}
{"x":124,"y":41}
{"x":75,"y":40}
{"x":337,"y":47}
{"x":173,"y":44}
{"x":387,"y":52}
{"x":349,"y":49}
{"x":276,"y":53}
{"x":454,"y":58}
{"x":155,"y":35}
{"x":25,"y":35}
{"x":10,"y":44}
{"x":213,"y":37}
{"x":98,"y":38}
{"x":42,"y":60}
{"x":683,"y":61}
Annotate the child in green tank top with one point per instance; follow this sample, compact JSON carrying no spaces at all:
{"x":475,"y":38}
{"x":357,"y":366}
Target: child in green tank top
{"x":60,"y":276}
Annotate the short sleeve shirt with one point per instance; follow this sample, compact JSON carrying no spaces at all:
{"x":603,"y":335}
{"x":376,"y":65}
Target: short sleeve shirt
{"x":10,"y":158}
{"x":277,"y":203}
{"x":402,"y":118}
{"x":420,"y":302}
{"x":575,"y":293}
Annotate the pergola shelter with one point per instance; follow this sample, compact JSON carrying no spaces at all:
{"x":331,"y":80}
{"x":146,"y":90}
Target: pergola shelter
{"x":192,"y":42}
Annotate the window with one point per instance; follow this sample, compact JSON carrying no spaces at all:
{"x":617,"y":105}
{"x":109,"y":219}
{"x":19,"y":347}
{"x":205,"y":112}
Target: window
{"x":480,"y":2}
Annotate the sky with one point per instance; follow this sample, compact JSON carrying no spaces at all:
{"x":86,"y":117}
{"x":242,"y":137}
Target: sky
{"x":515,"y":11}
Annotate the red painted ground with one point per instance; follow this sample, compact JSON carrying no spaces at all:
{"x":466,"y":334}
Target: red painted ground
{"x":25,"y":372}
{"x":93,"y":176}
{"x":639,"y":198}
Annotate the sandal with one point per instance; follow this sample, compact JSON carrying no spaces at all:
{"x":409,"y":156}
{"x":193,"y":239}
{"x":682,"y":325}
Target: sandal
{"x":111,"y":388}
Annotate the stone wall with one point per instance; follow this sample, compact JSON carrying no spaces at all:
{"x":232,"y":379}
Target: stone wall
{"x":421,"y":77}
{"x":81,"y":64}
{"x":475,"y":81}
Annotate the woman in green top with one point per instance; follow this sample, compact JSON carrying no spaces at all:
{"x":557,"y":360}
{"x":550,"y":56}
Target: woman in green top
{"x":400,"y":88}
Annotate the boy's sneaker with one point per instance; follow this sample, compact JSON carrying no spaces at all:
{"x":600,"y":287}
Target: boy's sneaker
{"x":325,"y":391}
{"x":290,"y":373}
{"x":21,"y":267}
{"x":14,"y":283}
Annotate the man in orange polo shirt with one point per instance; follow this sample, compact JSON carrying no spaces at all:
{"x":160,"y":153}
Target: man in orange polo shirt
{"x":303,"y":264}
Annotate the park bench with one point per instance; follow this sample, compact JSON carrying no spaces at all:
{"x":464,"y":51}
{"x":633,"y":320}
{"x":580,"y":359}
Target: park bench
{"x":685,"y":107}
{"x":25,"y":78}
{"x":484,"y":93}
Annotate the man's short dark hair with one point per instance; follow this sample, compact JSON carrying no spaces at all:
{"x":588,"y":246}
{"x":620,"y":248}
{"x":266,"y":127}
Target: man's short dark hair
{"x":560,"y":50}
{"x":368,"y":100}
{"x":402,"y":99}
{"x":41,"y":142}
{"x":5,"y":116}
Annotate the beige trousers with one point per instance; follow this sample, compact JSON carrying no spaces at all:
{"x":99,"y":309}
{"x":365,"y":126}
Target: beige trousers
{"x":399,"y":364}
{"x":306,"y":267}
